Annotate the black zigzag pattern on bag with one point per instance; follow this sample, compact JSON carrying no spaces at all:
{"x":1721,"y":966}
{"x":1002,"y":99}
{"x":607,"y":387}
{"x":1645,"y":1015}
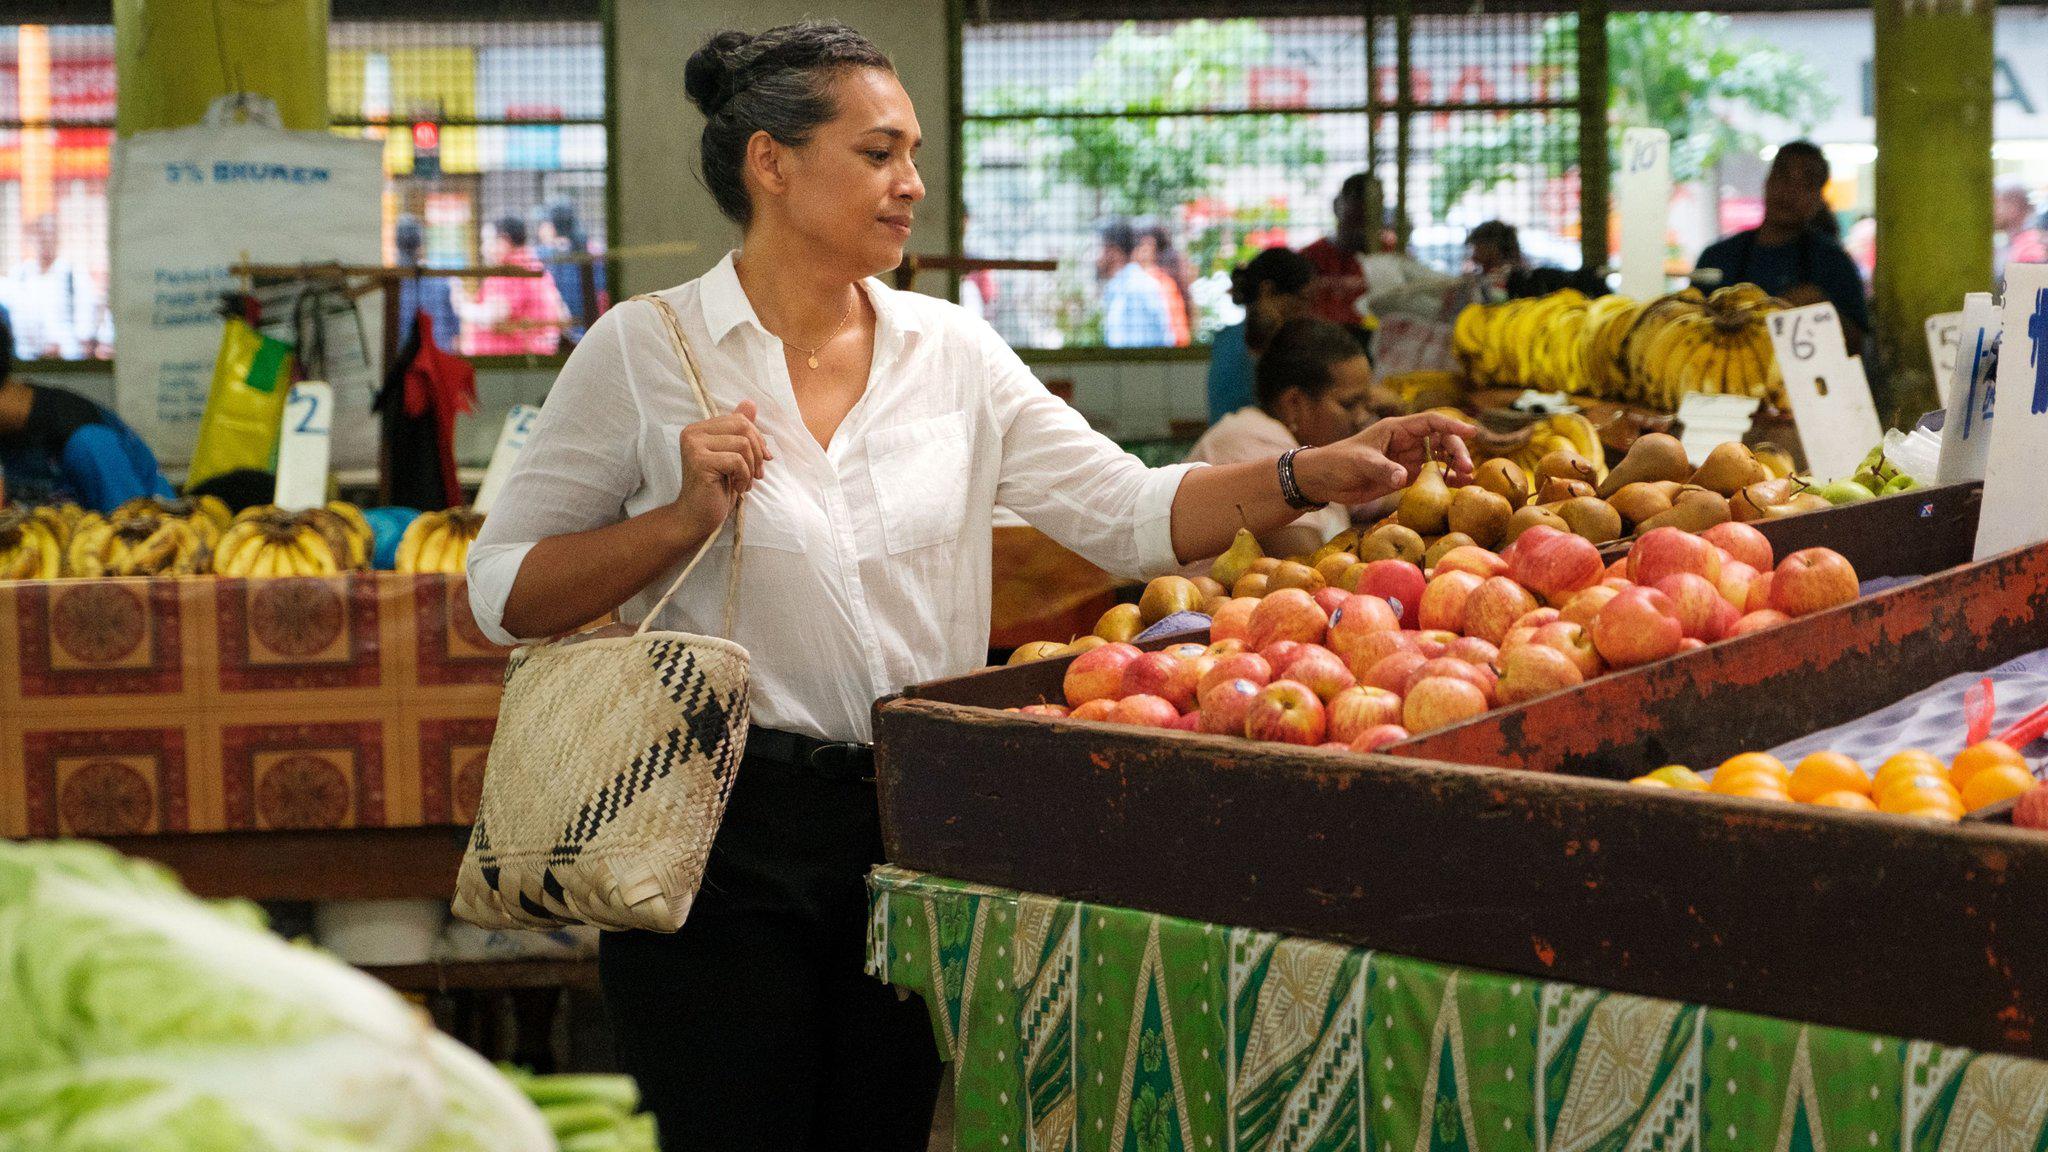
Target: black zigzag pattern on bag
{"x":655,"y":763}
{"x":480,"y":844}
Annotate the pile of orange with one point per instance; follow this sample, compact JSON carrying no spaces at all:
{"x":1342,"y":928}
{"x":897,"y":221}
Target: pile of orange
{"x":1909,"y":783}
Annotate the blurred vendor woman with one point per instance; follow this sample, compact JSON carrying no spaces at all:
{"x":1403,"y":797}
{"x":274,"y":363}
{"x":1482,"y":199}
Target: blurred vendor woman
{"x":871,"y":433}
{"x":57,"y":446}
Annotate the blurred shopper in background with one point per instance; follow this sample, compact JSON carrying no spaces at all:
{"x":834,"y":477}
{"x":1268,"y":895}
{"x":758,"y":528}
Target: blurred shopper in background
{"x":1794,"y":253}
{"x":49,"y":301}
{"x":2016,"y":229}
{"x":1134,"y":309}
{"x":578,"y":280}
{"x":1272,"y":288}
{"x":56,"y":445}
{"x":511,"y":315}
{"x":417,"y":294}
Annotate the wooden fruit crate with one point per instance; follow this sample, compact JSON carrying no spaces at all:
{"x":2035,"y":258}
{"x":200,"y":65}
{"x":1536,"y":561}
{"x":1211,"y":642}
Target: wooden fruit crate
{"x":1452,"y":850}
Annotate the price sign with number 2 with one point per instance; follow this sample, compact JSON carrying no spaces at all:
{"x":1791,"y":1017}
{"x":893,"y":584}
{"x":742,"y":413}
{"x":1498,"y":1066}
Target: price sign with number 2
{"x":302,"y":449}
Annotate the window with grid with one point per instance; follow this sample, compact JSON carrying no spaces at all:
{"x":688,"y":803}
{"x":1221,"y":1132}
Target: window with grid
{"x":1150,"y":157}
{"x":494,"y":146}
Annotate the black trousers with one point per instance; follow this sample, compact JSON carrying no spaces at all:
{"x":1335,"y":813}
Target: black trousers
{"x":755,"y":1027}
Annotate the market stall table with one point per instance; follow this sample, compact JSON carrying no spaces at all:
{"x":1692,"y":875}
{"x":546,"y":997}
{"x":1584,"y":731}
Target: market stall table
{"x":1090,"y":1027}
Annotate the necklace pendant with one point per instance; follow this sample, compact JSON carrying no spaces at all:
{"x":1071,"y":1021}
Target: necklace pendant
{"x":814,"y":361}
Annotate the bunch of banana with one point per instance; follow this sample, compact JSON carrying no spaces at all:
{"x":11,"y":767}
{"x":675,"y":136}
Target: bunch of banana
{"x":340,"y":524}
{"x":269,"y":541}
{"x":360,"y":536}
{"x":29,"y":546}
{"x":208,"y":515}
{"x":1602,"y":373}
{"x":139,"y":542}
{"x":1687,"y":342}
{"x":439,"y":541}
{"x":1563,"y":430}
{"x":1530,"y":342}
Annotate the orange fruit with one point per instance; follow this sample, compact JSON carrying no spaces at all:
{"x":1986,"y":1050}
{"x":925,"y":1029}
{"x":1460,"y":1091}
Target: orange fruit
{"x":1899,"y":785}
{"x":1824,"y":772}
{"x":1982,"y":755}
{"x":1996,"y":782}
{"x":1678,"y":776}
{"x":1934,"y":812}
{"x":1911,"y":762}
{"x":1755,"y":760}
{"x":1754,"y":786}
{"x":1905,"y":799}
{"x":1651,"y":782}
{"x":1844,"y":799}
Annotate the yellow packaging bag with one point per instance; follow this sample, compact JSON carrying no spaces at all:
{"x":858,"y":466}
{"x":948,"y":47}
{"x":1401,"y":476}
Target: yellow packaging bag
{"x":245,"y":405}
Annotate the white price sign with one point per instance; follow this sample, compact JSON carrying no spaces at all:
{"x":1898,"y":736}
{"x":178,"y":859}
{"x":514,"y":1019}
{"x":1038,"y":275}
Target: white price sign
{"x":1645,"y":210}
{"x":511,"y":442}
{"x":1830,"y":396}
{"x":2014,"y":515}
{"x":1966,"y":427}
{"x":302,"y":449}
{"x":1944,"y":333}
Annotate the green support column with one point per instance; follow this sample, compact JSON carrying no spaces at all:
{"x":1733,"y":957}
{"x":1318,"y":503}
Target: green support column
{"x":173,"y":59}
{"x":1933,"y":65}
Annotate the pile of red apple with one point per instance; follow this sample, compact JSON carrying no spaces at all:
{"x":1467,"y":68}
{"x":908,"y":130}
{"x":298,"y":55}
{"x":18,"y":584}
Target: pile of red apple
{"x":1407,"y":654}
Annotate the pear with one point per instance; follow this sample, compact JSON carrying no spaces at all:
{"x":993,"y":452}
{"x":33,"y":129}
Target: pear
{"x":1751,"y":503}
{"x":1695,"y":510}
{"x":1120,"y":624}
{"x":1252,"y":584}
{"x":1345,"y":541}
{"x":1557,"y":490}
{"x":1565,"y":464}
{"x":1237,"y":559}
{"x":1528,"y":517}
{"x":1444,"y":544}
{"x":1638,"y":502}
{"x":1654,"y":456}
{"x":1294,"y":575}
{"x":1166,"y":595}
{"x":1730,"y":468}
{"x":1796,"y":504}
{"x":1504,"y":478}
{"x":1481,"y":514}
{"x":1591,"y":517}
{"x":1393,"y":542}
{"x":1210,"y":587}
{"x":1037,"y":650}
{"x":1426,"y":505}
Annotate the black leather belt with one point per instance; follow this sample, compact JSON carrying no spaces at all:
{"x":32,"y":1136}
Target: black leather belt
{"x":826,"y":759}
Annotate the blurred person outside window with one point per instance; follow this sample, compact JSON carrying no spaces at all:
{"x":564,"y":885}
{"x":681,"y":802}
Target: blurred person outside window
{"x":562,"y":244}
{"x":49,"y":301}
{"x":1315,"y":387}
{"x":416,"y":294}
{"x":511,"y":315}
{"x":1494,"y":252}
{"x":1134,"y":310}
{"x":2018,"y":236}
{"x":1156,"y":254}
{"x":1794,"y":254}
{"x":1272,"y":288}
{"x":1339,"y":259}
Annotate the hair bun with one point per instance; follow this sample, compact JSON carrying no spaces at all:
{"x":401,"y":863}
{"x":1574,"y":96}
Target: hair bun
{"x":707,"y":78}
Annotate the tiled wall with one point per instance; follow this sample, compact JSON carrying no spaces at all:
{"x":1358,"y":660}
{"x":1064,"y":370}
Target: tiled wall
{"x":1135,"y":399}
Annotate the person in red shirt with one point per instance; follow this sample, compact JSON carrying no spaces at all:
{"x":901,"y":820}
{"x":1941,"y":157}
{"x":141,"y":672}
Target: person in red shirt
{"x":1340,"y":280}
{"x":511,"y":315}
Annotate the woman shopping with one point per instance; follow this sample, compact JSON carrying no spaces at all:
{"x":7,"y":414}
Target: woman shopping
{"x":870,"y":433}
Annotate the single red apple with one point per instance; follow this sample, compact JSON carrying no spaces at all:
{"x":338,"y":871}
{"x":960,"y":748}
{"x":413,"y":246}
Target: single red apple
{"x":1233,"y":620}
{"x":1494,"y":606}
{"x":1329,"y":596}
{"x":1322,"y":671}
{"x":1287,"y":712}
{"x":1759,"y":592}
{"x":1392,"y":672}
{"x":1186,"y":651}
{"x":1400,"y":584}
{"x":1665,"y":552}
{"x":1693,"y":601}
{"x":1538,"y":617}
{"x":1222,"y":648}
{"x":1473,"y":650}
{"x":1535,"y":670}
{"x":1189,"y":722}
{"x":1376,"y":738}
{"x":1281,"y":654}
{"x":1435,"y":643}
{"x":1585,"y":607}
{"x":1812,"y":580}
{"x":1098,"y":674}
{"x":1374,"y":647}
{"x":1236,"y":666}
{"x":1355,"y":621}
{"x":1100,"y":709}
{"x":1742,"y":542}
{"x":1225,"y":705}
{"x":1440,"y":702}
{"x":1758,"y":621}
{"x":1445,"y":667}
{"x":1052,"y":710}
{"x":1359,"y":708}
{"x":1443,"y":602}
{"x":1474,"y":559}
{"x":2030,"y":810}
{"x":1289,"y":614}
{"x":1736,"y":577}
{"x":1636,"y":627}
{"x":1556,"y":564}
{"x":1534,"y":534}
{"x":1575,"y":642}
{"x":1145,"y":711}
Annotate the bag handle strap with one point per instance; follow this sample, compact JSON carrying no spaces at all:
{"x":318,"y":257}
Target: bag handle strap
{"x":695,"y":378}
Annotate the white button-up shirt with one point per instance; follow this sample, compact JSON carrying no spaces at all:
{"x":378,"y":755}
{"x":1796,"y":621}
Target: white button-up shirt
{"x":866,"y":565}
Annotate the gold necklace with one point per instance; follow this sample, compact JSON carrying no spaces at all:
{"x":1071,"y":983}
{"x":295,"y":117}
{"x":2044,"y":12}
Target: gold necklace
{"x":811,"y":354}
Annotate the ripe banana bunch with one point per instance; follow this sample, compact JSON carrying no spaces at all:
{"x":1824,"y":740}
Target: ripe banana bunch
{"x":207,"y":515}
{"x":269,"y":541}
{"x":1567,"y":430}
{"x":1603,"y":374}
{"x":1531,"y":343}
{"x":138,"y":542}
{"x":340,"y":524}
{"x":439,"y":541}
{"x":1688,"y":342}
{"x":29,"y":546}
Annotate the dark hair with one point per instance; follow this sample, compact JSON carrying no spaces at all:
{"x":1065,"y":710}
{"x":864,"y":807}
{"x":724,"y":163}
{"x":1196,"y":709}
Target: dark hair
{"x":1284,"y":268}
{"x":513,"y":229}
{"x":561,"y":216}
{"x":1117,"y":233}
{"x":1809,"y":150}
{"x":1500,"y":234}
{"x":407,"y":236}
{"x":776,"y":82}
{"x":1300,"y":355}
{"x":1355,"y":185}
{"x":6,"y":345}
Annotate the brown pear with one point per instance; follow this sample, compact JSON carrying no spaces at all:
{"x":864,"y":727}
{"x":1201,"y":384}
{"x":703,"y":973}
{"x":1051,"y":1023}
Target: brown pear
{"x":1654,"y":456}
{"x":1796,"y":504}
{"x":1754,"y":500}
{"x":1263,"y":566}
{"x":1236,"y":559}
{"x":1504,"y":478}
{"x":1252,"y":584}
{"x":1528,"y":517}
{"x":1426,"y":505}
{"x":1591,"y":517}
{"x":1481,"y":514}
{"x":1557,"y":490}
{"x":1730,"y":468}
{"x":1394,"y":542}
{"x":1293,"y":575}
{"x":1444,"y":544}
{"x":1695,"y":510}
{"x":1120,"y":624}
{"x":1565,"y":464}
{"x":1639,"y":501}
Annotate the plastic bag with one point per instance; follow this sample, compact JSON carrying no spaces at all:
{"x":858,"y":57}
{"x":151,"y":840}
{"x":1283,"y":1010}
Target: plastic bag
{"x":244,"y":406}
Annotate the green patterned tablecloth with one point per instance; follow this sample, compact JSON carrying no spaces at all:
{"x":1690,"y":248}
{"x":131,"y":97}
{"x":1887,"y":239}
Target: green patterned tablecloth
{"x":1080,"y":1027}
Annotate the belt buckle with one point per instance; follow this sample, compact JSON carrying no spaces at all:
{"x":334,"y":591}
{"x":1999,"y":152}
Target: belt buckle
{"x":837,"y":762}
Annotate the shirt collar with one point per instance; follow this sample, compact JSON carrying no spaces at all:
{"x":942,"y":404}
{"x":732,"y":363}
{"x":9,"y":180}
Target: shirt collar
{"x":726,"y":306}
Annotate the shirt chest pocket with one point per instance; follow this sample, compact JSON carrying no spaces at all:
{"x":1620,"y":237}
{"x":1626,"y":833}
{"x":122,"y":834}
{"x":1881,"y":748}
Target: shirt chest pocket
{"x":920,"y":474}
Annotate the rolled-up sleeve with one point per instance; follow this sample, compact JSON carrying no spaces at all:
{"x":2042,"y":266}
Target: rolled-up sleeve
{"x":1073,"y":483}
{"x":580,"y":463}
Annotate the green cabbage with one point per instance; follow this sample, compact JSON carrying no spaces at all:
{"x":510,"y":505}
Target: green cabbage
{"x":137,"y":1018}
